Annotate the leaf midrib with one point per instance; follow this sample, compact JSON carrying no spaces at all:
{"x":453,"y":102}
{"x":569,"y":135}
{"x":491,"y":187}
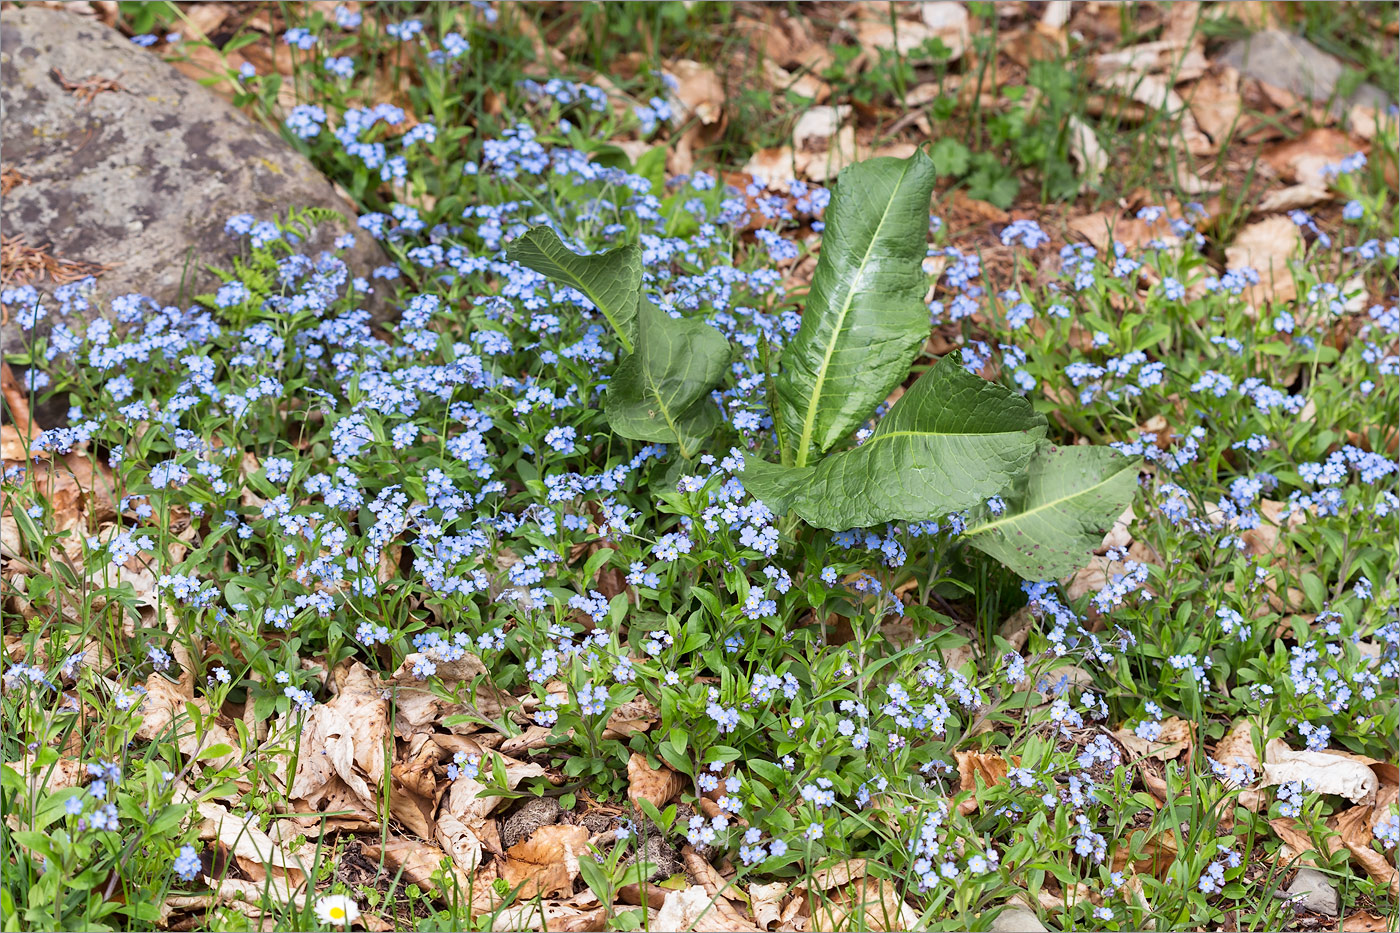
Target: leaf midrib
{"x":988,"y":526}
{"x":809,"y":422}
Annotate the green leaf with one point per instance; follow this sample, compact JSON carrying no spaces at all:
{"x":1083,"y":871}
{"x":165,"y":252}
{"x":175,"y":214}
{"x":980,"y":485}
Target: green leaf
{"x":611,"y":280}
{"x":949,"y":443}
{"x":660,"y":393}
{"x":865,"y":317}
{"x":950,"y":157}
{"x":775,"y":485}
{"x":1072,"y":496}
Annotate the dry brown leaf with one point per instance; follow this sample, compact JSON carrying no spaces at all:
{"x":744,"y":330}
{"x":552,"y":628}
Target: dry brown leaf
{"x":1159,"y":852}
{"x":546,"y":864}
{"x":1298,"y":840}
{"x":1215,"y":102}
{"x":837,"y":874}
{"x":949,"y":23}
{"x":418,"y":861}
{"x":1266,"y":246}
{"x":698,"y":91}
{"x":419,"y":707}
{"x":1294,"y":197}
{"x":1355,"y":829}
{"x":909,"y":38}
{"x":804,"y":84}
{"x":715,"y":885}
{"x":1084,"y":148}
{"x":1303,"y":160}
{"x":1363,"y":921}
{"x":257,"y":854}
{"x":163,"y":709}
{"x":654,"y":785}
{"x":65,"y":772}
{"x":635,"y":715}
{"x":578,"y":914}
{"x":868,"y":904}
{"x":683,"y":910}
{"x":1237,"y":748}
{"x":767,"y":902}
{"x":1177,"y":737}
{"x":774,"y":166}
{"x":972,"y":766}
{"x":1326,"y":773}
{"x":1104,"y":228}
{"x":1154,"y":91}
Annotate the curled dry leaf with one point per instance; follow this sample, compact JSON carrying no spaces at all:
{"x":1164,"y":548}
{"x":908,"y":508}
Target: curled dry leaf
{"x":975,"y":766}
{"x":1355,"y":829}
{"x":1237,"y":748}
{"x":1176,"y":737}
{"x":546,"y":864}
{"x":1327,"y":773}
{"x":1159,"y":851}
{"x":683,"y":910}
{"x":774,"y":166}
{"x":1304,"y":159}
{"x":575,"y":915}
{"x":461,"y":821}
{"x":1103,"y":229}
{"x":1298,"y":841}
{"x":163,"y":709}
{"x":654,"y":785}
{"x":420,"y":706}
{"x":1266,"y":246}
{"x":1084,"y":148}
{"x":1363,"y":921}
{"x":698,"y":90}
{"x":256,"y":853}
{"x":1294,"y":197}
{"x":715,"y":886}
{"x":65,"y":772}
{"x":419,"y":861}
{"x":767,"y":902}
{"x":1215,"y":102}
{"x":869,"y":904}
{"x":1154,"y":91}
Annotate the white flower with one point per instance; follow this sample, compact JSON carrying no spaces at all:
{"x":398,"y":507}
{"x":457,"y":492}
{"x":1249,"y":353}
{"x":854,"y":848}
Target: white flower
{"x":337,"y":909}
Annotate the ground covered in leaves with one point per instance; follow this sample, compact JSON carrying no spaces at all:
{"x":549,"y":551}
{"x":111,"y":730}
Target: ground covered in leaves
{"x":311,"y":623}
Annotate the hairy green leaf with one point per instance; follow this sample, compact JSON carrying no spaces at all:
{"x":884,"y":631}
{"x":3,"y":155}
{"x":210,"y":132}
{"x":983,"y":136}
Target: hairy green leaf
{"x":660,"y":393}
{"x":949,"y":443}
{"x":773,"y":484}
{"x":611,"y":280}
{"x":865,"y":317}
{"x":1072,"y":496}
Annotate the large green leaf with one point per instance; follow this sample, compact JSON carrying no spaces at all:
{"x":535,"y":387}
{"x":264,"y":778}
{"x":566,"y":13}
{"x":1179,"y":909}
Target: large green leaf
{"x":774,"y":484}
{"x":950,"y":442}
{"x":1072,"y":496}
{"x":865,"y":317}
{"x":660,"y":393}
{"x":611,"y":280}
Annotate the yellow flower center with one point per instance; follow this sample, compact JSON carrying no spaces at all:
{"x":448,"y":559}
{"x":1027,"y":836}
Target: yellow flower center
{"x":337,"y":913}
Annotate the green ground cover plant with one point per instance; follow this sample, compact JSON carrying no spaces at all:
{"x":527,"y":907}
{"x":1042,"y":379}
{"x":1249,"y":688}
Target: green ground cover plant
{"x":751,"y":585}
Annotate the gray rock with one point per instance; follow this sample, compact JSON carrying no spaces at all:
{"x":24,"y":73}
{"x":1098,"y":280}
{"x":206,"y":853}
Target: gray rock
{"x":534,"y":813}
{"x":142,"y":178}
{"x":1016,"y":920}
{"x":1296,"y":65}
{"x":1312,"y":891}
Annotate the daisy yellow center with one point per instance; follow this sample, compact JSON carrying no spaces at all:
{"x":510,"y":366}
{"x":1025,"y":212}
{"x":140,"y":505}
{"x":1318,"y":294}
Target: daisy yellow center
{"x":337,"y":913}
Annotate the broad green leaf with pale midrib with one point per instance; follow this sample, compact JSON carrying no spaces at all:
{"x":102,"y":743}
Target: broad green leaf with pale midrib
{"x":865,"y":317}
{"x":950,"y":442}
{"x":611,"y":280}
{"x":1072,"y":496}
{"x":660,"y":393}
